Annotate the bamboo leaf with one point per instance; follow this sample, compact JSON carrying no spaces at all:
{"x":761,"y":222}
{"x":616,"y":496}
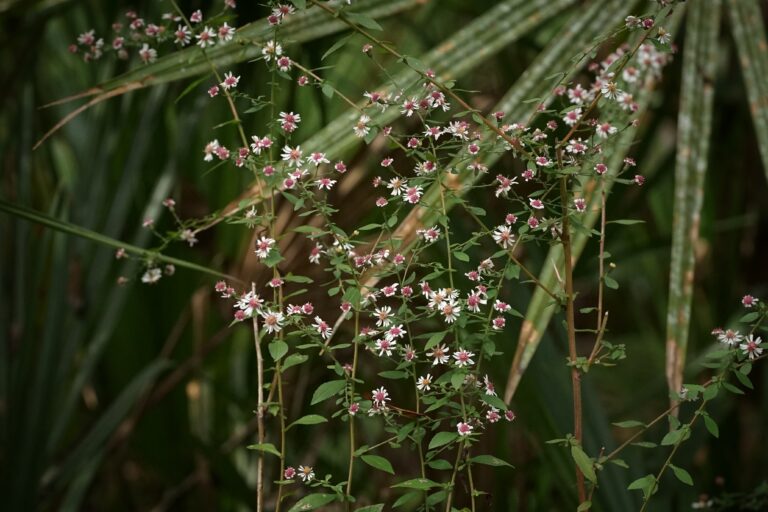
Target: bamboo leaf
{"x":694,"y":128}
{"x":750,"y":35}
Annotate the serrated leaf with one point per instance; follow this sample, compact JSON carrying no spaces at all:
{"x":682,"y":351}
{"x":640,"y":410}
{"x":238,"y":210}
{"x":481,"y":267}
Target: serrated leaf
{"x":490,"y":460}
{"x":309,"y":419}
{"x":327,"y":389}
{"x":379,"y":463}
{"x":441,"y":439}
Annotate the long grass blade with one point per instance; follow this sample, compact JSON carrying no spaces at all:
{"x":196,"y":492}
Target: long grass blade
{"x":749,"y":33}
{"x":694,"y":128}
{"x":72,"y":229}
{"x":305,"y":25}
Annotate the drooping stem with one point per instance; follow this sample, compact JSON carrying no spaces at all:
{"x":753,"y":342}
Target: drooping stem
{"x":565,"y":238}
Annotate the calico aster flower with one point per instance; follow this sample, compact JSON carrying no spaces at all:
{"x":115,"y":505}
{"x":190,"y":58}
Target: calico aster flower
{"x":386,"y":346}
{"x":424,"y":383}
{"x":361,"y":127}
{"x":147,"y":54}
{"x":196,"y":16}
{"x":576,"y":147}
{"x":249,"y":304}
{"x":503,"y":236}
{"x":182,"y":35}
{"x":410,"y":106}
{"x":273,"y":321}
{"x":572,"y":116}
{"x":380,"y":396}
{"x":205,"y":38}
{"x":580,"y":204}
{"x":474,"y":301}
{"x":306,"y":473}
{"x":748,"y":301}
{"x":751,"y":346}
{"x":226,"y":33}
{"x":492,"y":415}
{"x":450,"y":311}
{"x":289,"y":121}
{"x":538,"y":204}
{"x":230,"y":81}
{"x":397,"y":185}
{"x":413,"y":194}
{"x":151,"y":276}
{"x":464,"y":429}
{"x":463,"y":358}
{"x":383,"y":315}
{"x":263,"y":246}
{"x":396,"y":331}
{"x":604,"y":130}
{"x":293,"y":155}
{"x":429,"y":235}
{"x":730,"y":337}
{"x":323,"y":328}
{"x":271,"y":50}
{"x":440,"y":354}
{"x":325,"y":183}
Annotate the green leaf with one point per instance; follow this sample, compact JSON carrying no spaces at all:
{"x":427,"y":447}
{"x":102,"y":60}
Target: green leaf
{"x":297,"y":279}
{"x":327,"y":89}
{"x":674,"y":436}
{"x":309,"y":419}
{"x":337,"y":45}
{"x":681,"y":474}
{"x":461,"y":256}
{"x":265,"y":447}
{"x":610,"y":282}
{"x":327,"y":390}
{"x":584,"y":506}
{"x":277,"y":349}
{"x":626,"y":222}
{"x":441,"y":439}
{"x":494,"y":401}
{"x":371,"y":508}
{"x":300,"y":4}
{"x":440,"y":464}
{"x":407,"y":498}
{"x":490,"y":460}
{"x":393,"y":374}
{"x":421,"y":484}
{"x":584,"y":462}
{"x":629,"y":424}
{"x":379,"y":463}
{"x":363,"y":20}
{"x":711,"y":425}
{"x":749,"y":317}
{"x":647,"y":484}
{"x":294,"y":359}
{"x":434,"y":340}
{"x":312,"y":502}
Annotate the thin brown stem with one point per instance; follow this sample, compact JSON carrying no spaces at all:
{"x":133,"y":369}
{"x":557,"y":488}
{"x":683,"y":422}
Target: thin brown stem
{"x":565,"y":238}
{"x":259,"y":411}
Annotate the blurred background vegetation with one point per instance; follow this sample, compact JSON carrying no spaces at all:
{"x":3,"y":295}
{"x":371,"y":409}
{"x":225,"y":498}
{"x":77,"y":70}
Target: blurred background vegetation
{"x":140,"y":397}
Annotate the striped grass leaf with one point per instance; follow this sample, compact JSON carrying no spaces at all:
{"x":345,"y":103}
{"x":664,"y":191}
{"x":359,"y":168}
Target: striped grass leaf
{"x":453,"y":58}
{"x":749,"y":33}
{"x":694,"y":128}
{"x":304,"y":25}
{"x":540,"y":310}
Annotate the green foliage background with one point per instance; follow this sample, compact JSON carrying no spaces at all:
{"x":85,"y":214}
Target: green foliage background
{"x":140,"y":397}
